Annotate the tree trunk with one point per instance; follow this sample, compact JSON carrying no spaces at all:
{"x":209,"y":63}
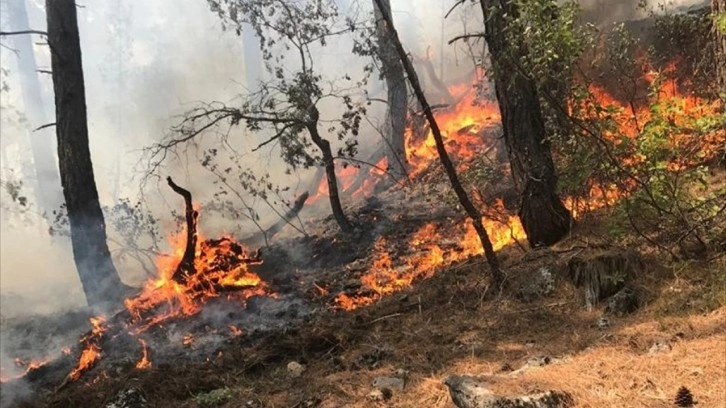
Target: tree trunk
{"x":329,"y":164}
{"x":464,"y":200}
{"x":397,"y":96}
{"x":544,"y":218}
{"x":101,"y":283}
{"x":718,"y":10}
{"x":48,"y":187}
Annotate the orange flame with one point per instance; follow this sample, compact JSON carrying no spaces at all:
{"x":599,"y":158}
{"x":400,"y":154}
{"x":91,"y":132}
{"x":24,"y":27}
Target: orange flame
{"x":144,"y":362}
{"x":219,"y":264}
{"x":461,"y":125}
{"x":92,"y":351}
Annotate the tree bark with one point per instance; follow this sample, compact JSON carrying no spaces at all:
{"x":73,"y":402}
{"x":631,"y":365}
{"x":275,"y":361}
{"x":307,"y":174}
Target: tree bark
{"x":392,"y":71}
{"x":101,"y":283}
{"x":718,"y":10}
{"x":329,"y":164}
{"x":544,"y":217}
{"x":469,"y":207}
{"x":48,"y":187}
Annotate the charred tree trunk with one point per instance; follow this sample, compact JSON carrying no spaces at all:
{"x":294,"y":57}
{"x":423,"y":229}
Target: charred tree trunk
{"x":329,"y":164}
{"x":397,"y":96}
{"x":186,"y":265}
{"x":101,"y":283}
{"x":544,"y":217}
{"x":472,"y":211}
{"x":48,"y":186}
{"x":718,"y":10}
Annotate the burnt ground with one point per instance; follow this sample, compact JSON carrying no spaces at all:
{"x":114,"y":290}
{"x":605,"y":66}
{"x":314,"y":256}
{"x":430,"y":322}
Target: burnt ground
{"x":451,"y":323}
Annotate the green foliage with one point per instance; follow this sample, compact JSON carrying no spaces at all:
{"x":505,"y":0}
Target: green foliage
{"x":213,"y":398}
{"x":720,"y":20}
{"x":687,"y":41}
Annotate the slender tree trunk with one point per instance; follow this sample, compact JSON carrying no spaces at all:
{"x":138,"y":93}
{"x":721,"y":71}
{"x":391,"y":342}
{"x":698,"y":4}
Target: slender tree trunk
{"x":397,"y":96}
{"x":101,"y":283}
{"x":48,"y":187}
{"x":332,"y":179}
{"x":544,"y":218}
{"x":469,"y":207}
{"x":718,"y":10}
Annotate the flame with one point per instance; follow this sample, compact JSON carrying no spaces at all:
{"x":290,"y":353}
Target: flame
{"x":235,"y":331}
{"x":144,"y":362}
{"x":221,"y":265}
{"x":92,"y":351}
{"x":25,"y":366}
{"x":461,"y":125}
{"x":424,"y":255}
{"x":460,"y":128}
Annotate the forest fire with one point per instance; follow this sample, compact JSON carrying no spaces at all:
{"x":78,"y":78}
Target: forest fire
{"x":221,"y":267}
{"x":92,"y":349}
{"x":144,"y":362}
{"x":461,"y":126}
{"x":22,"y":368}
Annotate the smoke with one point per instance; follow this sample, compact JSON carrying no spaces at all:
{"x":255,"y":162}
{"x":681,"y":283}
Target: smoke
{"x":145,"y":63}
{"x":604,"y":13}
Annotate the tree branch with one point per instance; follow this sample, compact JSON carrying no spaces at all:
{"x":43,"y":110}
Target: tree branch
{"x":186,"y":265}
{"x":466,"y":37}
{"x":9,"y":33}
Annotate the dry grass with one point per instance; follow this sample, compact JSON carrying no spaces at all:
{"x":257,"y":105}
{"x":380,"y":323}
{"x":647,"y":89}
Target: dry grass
{"x":449,"y":325}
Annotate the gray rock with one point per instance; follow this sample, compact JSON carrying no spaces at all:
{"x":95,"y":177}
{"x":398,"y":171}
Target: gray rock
{"x":295,"y":369}
{"x":391,"y":383}
{"x":380,"y":395}
{"x":128,"y":398}
{"x":541,"y":285}
{"x":625,"y":302}
{"x":471,"y":392}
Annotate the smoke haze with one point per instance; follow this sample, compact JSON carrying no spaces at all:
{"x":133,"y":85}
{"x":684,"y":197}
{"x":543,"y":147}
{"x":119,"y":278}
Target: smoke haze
{"x":145,"y":63}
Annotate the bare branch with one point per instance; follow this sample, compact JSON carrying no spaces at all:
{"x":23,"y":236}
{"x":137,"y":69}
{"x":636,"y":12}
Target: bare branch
{"x":9,"y":33}
{"x":47,"y":125}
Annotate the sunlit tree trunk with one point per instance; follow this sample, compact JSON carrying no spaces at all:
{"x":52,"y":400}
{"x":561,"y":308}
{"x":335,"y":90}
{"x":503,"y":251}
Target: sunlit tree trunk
{"x":544,"y":217}
{"x":48,"y":187}
{"x":101,"y":283}
{"x":397,"y":96}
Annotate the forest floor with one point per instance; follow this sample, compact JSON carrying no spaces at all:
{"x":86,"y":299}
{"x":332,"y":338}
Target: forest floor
{"x":450,"y":324}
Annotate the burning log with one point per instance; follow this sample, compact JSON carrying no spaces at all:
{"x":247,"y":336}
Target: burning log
{"x":186,"y":266}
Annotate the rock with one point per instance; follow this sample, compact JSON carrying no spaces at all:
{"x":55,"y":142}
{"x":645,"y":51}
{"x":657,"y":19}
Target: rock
{"x":541,"y":285}
{"x":534,"y":362}
{"x":603,"y":275}
{"x":626,"y":301}
{"x":295,"y":369}
{"x":471,"y":392}
{"x":380,"y":395}
{"x":128,"y":398}
{"x":391,"y":383}
{"x":602,"y":323}
{"x":539,"y":361}
{"x":659,"y":347}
